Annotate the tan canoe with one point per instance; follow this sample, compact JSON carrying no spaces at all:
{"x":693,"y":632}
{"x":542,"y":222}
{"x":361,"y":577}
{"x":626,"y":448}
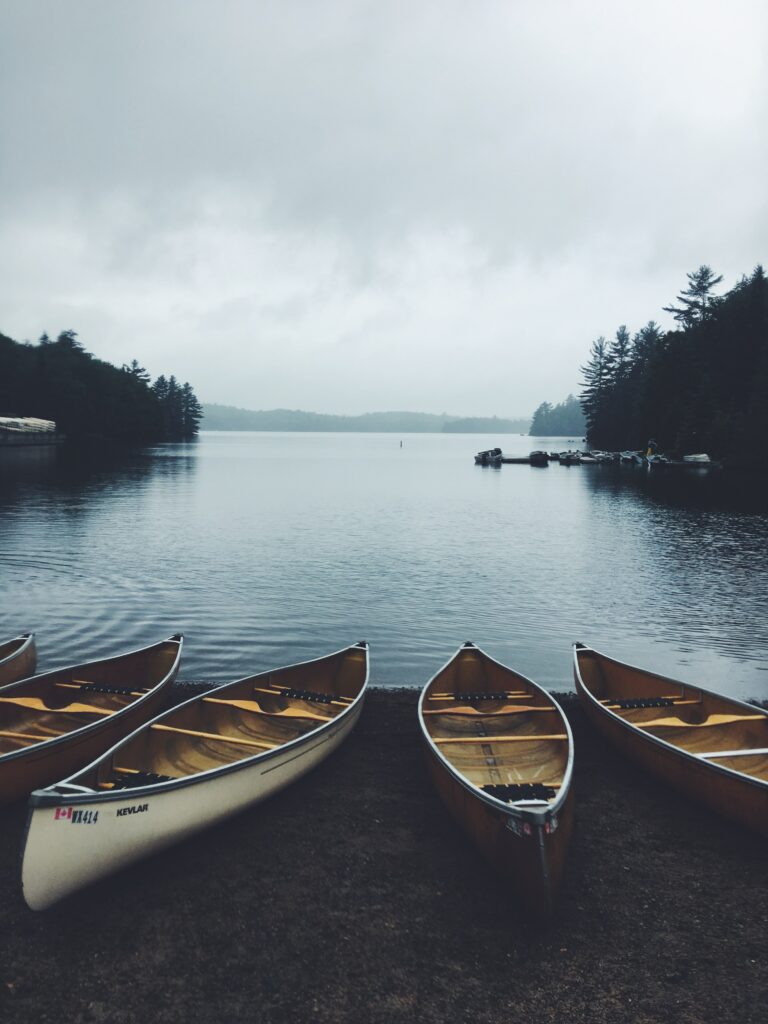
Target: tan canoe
{"x":197,"y":764}
{"x":57,"y":722}
{"x":18,"y":658}
{"x":500,"y":753}
{"x":709,"y":747}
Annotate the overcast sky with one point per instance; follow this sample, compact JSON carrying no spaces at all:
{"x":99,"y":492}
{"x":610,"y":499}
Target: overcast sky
{"x":349,"y":206}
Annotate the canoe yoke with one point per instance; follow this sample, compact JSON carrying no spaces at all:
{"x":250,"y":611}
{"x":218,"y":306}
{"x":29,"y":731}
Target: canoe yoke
{"x":513,"y":792}
{"x":471,"y":697}
{"x":122,"y":691}
{"x":318,"y":698}
{"x":646,"y":702}
{"x":132,"y":778}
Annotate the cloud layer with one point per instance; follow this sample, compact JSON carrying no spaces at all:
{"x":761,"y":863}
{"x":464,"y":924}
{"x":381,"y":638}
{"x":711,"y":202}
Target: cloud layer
{"x":351,"y":206}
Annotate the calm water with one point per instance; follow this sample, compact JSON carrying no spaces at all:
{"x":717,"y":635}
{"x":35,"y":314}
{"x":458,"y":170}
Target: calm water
{"x":266,"y":549}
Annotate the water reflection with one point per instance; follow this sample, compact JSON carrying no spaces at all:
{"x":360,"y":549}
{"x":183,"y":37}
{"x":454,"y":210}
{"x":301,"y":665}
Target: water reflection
{"x":267,"y":548}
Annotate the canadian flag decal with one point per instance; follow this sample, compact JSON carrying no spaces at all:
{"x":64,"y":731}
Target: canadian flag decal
{"x":63,"y":812}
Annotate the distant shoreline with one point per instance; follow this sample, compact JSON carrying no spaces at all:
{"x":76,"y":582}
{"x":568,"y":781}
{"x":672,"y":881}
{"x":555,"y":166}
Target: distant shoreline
{"x":225,"y":417}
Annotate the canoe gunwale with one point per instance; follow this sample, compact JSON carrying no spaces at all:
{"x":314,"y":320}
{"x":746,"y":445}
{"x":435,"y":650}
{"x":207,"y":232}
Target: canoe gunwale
{"x":29,"y":639}
{"x":686,"y":755}
{"x":521,"y":811}
{"x":50,"y":798}
{"x":105,"y":721}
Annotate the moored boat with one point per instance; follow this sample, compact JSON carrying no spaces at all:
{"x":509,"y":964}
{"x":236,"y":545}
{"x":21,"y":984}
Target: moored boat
{"x":56,"y":722}
{"x":490,"y":457}
{"x":202,"y":761}
{"x":18,"y":658}
{"x":500,"y":753}
{"x":539,"y":458}
{"x":710,"y":747}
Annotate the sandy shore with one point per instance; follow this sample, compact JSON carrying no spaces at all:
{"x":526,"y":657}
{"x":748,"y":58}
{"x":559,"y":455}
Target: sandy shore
{"x":352,"y":897}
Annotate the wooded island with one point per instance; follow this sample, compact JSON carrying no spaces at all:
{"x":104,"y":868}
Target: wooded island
{"x":87,"y":397}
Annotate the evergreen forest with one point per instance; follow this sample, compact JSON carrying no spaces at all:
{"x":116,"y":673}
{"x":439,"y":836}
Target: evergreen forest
{"x":89,"y":398}
{"x":702,"y":387}
{"x":565,"y":418}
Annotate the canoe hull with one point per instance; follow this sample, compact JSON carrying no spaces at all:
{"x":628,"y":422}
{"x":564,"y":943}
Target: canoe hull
{"x":531,"y":865}
{"x":46,"y":763}
{"x":20,"y":664}
{"x":76,"y":843}
{"x":729,"y":794}
{"x":41,"y":764}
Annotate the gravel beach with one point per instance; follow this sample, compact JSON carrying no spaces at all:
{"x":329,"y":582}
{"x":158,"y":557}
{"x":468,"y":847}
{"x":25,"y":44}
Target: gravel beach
{"x":352,"y":896}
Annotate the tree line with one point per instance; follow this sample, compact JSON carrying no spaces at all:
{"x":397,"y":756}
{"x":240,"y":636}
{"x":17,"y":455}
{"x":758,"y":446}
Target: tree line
{"x":227,"y":417}
{"x":87,"y":397}
{"x":702,"y":387}
{"x":565,"y":418}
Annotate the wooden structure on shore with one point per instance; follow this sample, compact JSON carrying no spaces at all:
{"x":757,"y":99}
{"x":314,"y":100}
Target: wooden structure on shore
{"x":16,"y":431}
{"x":709,"y":747}
{"x":500,"y":753}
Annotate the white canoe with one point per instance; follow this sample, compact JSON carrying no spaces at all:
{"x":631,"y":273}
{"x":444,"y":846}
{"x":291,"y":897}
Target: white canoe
{"x":193,"y":766}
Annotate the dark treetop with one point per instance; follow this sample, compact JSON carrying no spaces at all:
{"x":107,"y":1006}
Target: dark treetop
{"x":700,"y":388}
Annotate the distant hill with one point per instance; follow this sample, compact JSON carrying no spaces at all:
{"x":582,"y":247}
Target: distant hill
{"x":227,"y":417}
{"x":565,"y":418}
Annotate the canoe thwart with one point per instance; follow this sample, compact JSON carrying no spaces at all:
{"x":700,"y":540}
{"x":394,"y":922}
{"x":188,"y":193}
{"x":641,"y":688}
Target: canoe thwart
{"x":214,"y":736}
{"x":512,"y":792}
{"x":33,"y":737}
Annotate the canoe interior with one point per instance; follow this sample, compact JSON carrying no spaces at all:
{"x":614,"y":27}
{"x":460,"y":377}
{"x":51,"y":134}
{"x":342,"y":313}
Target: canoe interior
{"x":233,"y":723}
{"x":18,"y":659}
{"x":718,"y":730}
{"x":57,"y":703}
{"x":496,"y":729}
{"x":11,"y":647}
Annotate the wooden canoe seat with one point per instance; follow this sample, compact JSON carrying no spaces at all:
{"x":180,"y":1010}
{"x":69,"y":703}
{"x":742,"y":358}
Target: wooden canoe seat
{"x":87,"y":687}
{"x":133,"y":778}
{"x":475,"y":713}
{"x":529,"y":738}
{"x":645,"y":702}
{"x":511,"y":792}
{"x":215,"y":736}
{"x":255,"y":708}
{"x":37,"y":704}
{"x":677,"y":723}
{"x":303,"y":695}
{"x":508,"y":694}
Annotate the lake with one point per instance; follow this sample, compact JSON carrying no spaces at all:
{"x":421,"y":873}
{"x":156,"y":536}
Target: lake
{"x":270,"y":548}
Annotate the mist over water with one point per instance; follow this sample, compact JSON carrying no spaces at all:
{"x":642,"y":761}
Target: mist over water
{"x":266,"y":548}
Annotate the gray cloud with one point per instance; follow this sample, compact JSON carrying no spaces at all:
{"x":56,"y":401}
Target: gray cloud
{"x":346,"y":206}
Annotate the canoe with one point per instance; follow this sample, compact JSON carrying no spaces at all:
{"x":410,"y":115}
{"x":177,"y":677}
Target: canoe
{"x":57,"y":722}
{"x":199,"y":763}
{"x":18,"y":658}
{"x":500,"y":752}
{"x":709,"y":747}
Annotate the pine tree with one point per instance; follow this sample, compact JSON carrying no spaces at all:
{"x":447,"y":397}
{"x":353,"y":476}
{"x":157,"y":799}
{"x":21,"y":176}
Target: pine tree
{"x":696,"y":299}
{"x":192,"y":412}
{"x":595,"y":385}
